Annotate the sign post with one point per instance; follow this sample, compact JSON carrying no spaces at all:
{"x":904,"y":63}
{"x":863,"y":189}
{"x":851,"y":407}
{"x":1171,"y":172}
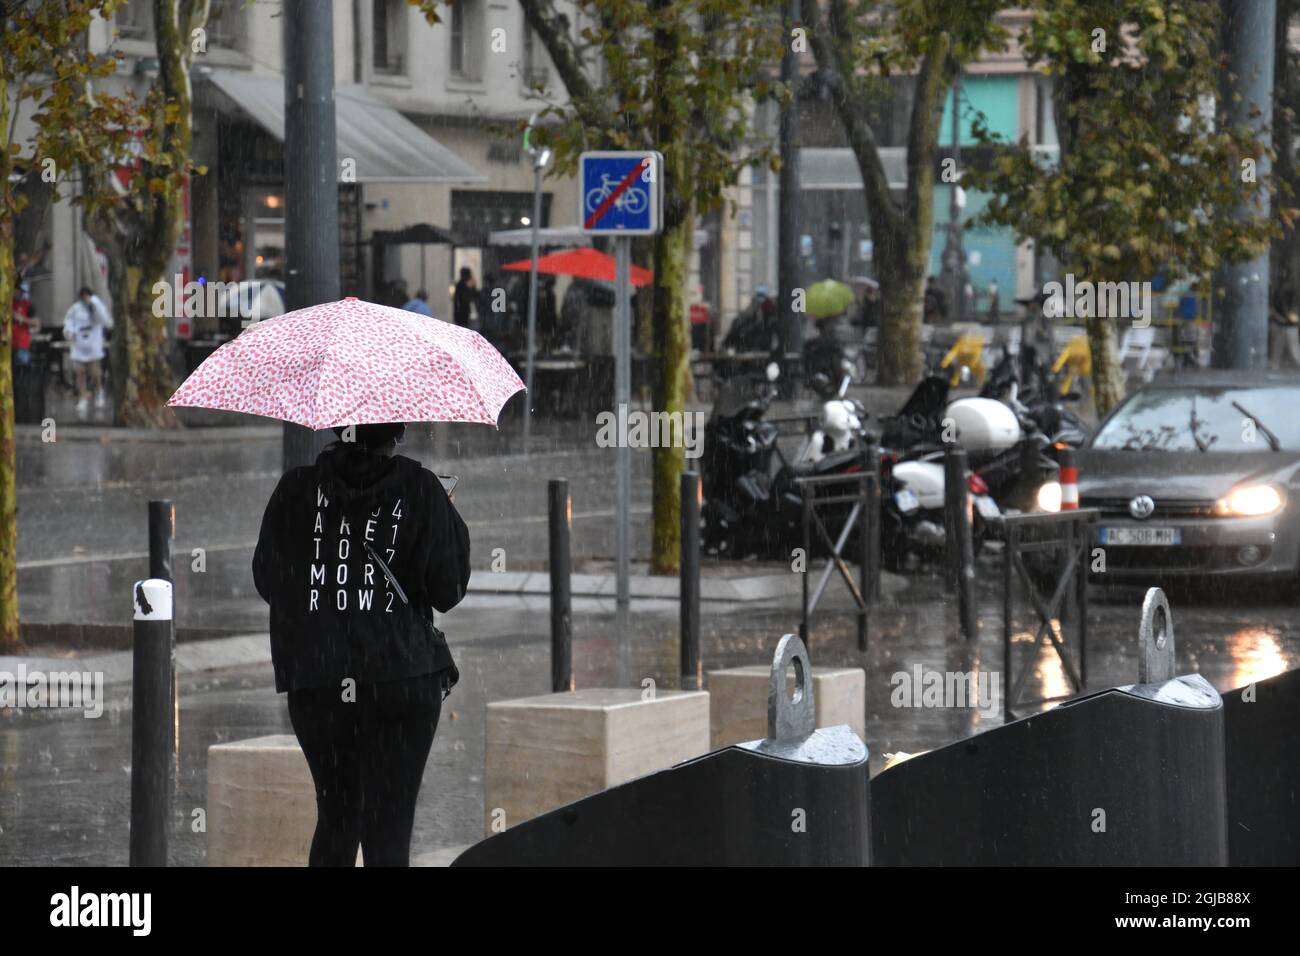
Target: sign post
{"x":621,"y":197}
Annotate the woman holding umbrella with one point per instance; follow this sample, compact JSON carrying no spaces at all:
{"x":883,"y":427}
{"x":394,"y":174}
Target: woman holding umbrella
{"x":357,"y":549}
{"x":365,"y":678}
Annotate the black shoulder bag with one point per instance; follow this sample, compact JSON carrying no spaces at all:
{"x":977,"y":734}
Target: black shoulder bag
{"x":443,"y":662}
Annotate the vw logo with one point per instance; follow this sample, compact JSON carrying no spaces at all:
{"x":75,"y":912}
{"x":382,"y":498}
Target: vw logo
{"x":1141,"y":507}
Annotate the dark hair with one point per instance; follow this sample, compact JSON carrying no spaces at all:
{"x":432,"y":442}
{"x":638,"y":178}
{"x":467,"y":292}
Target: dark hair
{"x":374,"y":436}
{"x":466,"y":272}
{"x":85,"y":290}
{"x":422,"y":294}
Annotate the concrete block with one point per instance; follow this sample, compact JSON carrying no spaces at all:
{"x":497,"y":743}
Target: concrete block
{"x":738,"y":701}
{"x":261,"y":803}
{"x":544,"y":752}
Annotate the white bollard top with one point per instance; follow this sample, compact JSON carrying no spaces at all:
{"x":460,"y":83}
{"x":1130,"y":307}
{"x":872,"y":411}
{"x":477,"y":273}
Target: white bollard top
{"x":153,"y":600}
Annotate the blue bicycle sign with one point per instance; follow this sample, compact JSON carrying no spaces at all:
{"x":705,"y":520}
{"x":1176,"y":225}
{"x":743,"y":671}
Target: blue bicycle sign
{"x":633,"y":199}
{"x":620,"y":193}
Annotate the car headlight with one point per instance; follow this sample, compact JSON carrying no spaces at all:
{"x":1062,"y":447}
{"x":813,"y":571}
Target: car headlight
{"x":1250,"y":501}
{"x":1049,"y":496}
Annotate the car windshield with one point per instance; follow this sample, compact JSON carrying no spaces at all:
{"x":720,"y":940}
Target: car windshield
{"x":1231,"y":419}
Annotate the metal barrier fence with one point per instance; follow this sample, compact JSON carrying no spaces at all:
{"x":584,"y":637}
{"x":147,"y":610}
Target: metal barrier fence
{"x":859,"y":492}
{"x":1057,"y":547}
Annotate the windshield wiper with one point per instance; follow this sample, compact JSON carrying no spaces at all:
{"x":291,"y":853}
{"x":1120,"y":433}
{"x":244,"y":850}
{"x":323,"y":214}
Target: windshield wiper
{"x":1272,"y":439}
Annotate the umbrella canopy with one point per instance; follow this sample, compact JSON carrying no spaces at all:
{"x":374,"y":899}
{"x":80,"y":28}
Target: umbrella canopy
{"x":828,"y":297}
{"x":582,"y":263}
{"x":353,"y":363}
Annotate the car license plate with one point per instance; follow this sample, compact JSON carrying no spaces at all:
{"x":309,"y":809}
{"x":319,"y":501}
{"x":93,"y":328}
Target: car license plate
{"x":906,"y":500}
{"x":1140,"y":537}
{"x":987,"y":507}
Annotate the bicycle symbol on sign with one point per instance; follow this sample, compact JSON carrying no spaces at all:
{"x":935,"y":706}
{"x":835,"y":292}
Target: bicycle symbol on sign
{"x":633,"y":199}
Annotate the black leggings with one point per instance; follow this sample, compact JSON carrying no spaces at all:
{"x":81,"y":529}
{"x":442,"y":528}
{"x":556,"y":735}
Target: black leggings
{"x":367,"y":759}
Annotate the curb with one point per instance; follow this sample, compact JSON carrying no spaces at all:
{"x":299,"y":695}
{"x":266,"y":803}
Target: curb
{"x":103,"y":434}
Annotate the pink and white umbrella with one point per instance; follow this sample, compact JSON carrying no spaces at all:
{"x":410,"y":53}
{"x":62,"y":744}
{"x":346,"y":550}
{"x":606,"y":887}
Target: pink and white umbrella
{"x":354,"y":363}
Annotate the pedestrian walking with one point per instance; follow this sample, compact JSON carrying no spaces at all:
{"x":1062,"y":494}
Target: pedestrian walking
{"x":464,"y":298}
{"x":419,"y":304}
{"x":83,"y":327}
{"x":354,"y":554}
{"x":995,"y":303}
{"x":24,"y":323}
{"x":934,"y":307}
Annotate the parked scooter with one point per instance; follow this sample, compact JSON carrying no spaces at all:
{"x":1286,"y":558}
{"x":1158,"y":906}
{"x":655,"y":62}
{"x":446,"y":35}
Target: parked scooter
{"x":841,"y":421}
{"x":1047,"y":425}
{"x":749,"y":510}
{"x":914,"y":439}
{"x":739,"y":445}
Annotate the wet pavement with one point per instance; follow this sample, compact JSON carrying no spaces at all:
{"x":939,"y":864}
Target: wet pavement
{"x":64,"y":779}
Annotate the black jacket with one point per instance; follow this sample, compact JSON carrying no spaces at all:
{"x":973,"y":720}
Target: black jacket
{"x":333,"y":614}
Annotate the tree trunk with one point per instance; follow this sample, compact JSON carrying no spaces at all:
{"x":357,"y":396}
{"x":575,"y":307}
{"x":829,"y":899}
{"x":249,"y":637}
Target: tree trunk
{"x":898,"y":351}
{"x":8,"y":444}
{"x":149,"y":382}
{"x":672,"y":262}
{"x":1107,"y":373}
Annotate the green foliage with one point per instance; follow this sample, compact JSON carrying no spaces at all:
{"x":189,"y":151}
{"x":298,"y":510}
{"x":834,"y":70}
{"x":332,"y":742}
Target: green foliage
{"x":1148,"y":175}
{"x":686,"y":70}
{"x":859,"y":44}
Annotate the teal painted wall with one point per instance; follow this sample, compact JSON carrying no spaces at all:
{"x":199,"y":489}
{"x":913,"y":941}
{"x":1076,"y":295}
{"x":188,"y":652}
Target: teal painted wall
{"x":996,"y":247}
{"x":997,"y":97}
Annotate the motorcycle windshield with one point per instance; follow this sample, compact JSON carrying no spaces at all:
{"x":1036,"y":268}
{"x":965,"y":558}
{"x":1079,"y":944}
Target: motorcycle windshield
{"x":734,"y":396}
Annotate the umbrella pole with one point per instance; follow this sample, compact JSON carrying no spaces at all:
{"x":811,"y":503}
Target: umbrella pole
{"x":532,"y":305}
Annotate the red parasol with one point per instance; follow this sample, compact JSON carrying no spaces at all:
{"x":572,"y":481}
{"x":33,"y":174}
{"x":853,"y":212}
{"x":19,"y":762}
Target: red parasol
{"x":585,"y":263}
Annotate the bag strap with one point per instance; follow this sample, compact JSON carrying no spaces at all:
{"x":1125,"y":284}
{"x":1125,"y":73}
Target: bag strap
{"x":392,"y":578}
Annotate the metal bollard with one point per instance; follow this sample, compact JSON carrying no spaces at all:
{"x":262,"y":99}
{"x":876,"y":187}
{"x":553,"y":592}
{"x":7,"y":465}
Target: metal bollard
{"x":162,"y":532}
{"x":560,"y":521}
{"x":1069,"y":481}
{"x":151,"y":722}
{"x":872,"y":456}
{"x":692,"y":676}
{"x":961,"y":546}
{"x":162,"y":528}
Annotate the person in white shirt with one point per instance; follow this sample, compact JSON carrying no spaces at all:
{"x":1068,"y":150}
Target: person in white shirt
{"x":83,"y":328}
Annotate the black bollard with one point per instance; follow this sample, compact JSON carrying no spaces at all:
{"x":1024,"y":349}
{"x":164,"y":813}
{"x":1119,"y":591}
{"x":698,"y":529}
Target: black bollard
{"x":690,"y":581}
{"x":162,"y":532}
{"x":560,"y":518}
{"x":162,"y":528}
{"x":151,"y":722}
{"x":961,"y":545}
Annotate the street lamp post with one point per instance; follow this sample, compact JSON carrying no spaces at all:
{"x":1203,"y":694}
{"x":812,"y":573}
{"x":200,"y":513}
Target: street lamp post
{"x":954,"y":255}
{"x":541,"y":158}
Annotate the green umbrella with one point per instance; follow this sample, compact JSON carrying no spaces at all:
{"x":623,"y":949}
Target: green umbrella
{"x":828,"y":297}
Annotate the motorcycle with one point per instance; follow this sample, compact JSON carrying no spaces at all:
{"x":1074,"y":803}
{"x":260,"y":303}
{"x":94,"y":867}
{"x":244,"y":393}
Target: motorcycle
{"x":914,"y":438}
{"x":749,"y":510}
{"x":739,"y":445}
{"x":1047,"y":425}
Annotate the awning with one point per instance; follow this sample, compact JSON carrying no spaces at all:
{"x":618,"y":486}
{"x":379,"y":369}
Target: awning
{"x":387,"y":147}
{"x":821,"y":168}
